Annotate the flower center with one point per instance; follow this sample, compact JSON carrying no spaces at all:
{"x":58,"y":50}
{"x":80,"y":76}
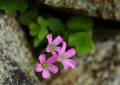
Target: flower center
{"x":60,"y":58}
{"x":51,"y":47}
{"x":44,"y":65}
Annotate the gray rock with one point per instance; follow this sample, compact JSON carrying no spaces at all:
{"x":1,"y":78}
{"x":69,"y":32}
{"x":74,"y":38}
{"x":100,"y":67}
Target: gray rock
{"x":15,"y":55}
{"x":107,"y":9}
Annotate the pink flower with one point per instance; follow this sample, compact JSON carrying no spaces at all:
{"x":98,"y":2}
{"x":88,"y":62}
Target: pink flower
{"x":64,"y":57}
{"x":46,"y":66}
{"x":53,"y":45}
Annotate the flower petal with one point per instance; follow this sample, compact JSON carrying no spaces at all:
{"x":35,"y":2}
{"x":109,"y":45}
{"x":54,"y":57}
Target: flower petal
{"x":48,"y":49}
{"x":71,"y":62}
{"x":66,"y":66}
{"x":54,"y":53}
{"x":52,"y":59}
{"x":45,"y":73}
{"x":71,"y":52}
{"x":57,"y":40}
{"x":53,"y":68}
{"x":63,"y":48}
{"x":38,"y":68}
{"x":42,"y":58}
{"x":49,"y":37}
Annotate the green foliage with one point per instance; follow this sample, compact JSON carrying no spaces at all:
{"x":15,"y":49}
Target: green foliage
{"x":34,"y":29}
{"x":29,"y":16}
{"x":42,"y":22}
{"x":36,"y":42}
{"x":10,"y":6}
{"x":82,"y":42}
{"x":39,"y":30}
{"x":80,"y":23}
{"x":77,"y":31}
{"x":79,"y":35}
{"x":55,"y":24}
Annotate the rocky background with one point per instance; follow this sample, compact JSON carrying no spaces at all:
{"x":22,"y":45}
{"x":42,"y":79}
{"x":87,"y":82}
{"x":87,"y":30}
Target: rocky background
{"x":106,"y":9}
{"x":15,"y":55}
{"x":100,"y":67}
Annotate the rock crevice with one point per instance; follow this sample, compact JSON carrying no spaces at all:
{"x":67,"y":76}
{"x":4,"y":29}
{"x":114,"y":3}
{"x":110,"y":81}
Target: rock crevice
{"x":106,"y":9}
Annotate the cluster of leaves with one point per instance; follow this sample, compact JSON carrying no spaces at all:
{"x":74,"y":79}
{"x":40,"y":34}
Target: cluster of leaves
{"x":77,"y":30}
{"x":10,"y":6}
{"x":39,"y":30}
{"x":82,"y":40}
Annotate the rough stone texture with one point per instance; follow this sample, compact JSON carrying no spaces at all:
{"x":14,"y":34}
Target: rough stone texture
{"x":100,"y":67}
{"x":107,"y":9}
{"x":15,"y":56}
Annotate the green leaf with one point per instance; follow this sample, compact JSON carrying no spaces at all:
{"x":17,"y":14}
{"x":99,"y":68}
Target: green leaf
{"x":34,"y":29}
{"x":80,"y":23}
{"x":84,"y":47}
{"x":10,"y":6}
{"x":39,"y":31}
{"x":42,"y":33}
{"x":36,"y":42}
{"x":55,"y":24}
{"x":42,"y":22}
{"x":29,"y":16}
{"x":82,"y":42}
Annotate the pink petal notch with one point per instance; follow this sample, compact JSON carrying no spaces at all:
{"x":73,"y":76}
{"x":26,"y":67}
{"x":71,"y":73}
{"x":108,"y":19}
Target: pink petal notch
{"x":66,"y":66}
{"x":71,"y":52}
{"x":71,"y":63}
{"x":46,"y":73}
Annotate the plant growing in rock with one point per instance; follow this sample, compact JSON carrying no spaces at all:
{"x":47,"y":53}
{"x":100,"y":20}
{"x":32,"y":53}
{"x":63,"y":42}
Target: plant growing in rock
{"x":76,"y":30}
{"x":58,"y":55}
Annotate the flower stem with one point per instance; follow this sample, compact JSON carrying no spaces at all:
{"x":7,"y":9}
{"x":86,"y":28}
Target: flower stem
{"x":42,"y":51}
{"x":31,"y":70}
